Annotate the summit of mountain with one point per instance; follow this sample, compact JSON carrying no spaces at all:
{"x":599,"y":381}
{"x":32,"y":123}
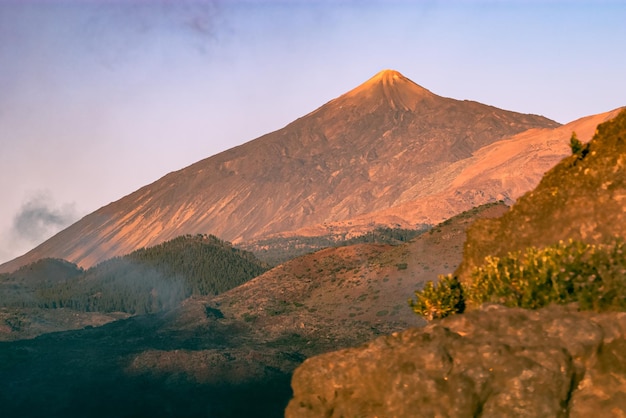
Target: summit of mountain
{"x":391,"y":88}
{"x":362,"y":153}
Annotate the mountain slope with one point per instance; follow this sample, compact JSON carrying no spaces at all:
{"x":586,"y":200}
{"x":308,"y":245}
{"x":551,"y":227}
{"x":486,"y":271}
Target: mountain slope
{"x":502,"y":170}
{"x":360,"y":153}
{"x":337,"y":291}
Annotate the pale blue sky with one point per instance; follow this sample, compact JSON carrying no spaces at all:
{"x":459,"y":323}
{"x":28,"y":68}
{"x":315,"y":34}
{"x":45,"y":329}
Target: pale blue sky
{"x":98,"y":98}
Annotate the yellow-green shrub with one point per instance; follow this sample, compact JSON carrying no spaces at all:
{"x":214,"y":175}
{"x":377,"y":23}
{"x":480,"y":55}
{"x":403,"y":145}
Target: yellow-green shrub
{"x":438,"y":300}
{"x":592,"y":275}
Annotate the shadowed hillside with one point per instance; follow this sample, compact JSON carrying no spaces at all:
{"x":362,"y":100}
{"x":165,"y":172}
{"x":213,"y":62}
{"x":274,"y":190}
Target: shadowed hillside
{"x":230,"y":355}
{"x":54,"y":295}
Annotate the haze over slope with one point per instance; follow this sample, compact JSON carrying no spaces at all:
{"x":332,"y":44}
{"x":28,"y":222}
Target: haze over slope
{"x":361,"y":153}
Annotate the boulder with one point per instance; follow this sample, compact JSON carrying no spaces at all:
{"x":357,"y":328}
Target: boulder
{"x":492,"y":362}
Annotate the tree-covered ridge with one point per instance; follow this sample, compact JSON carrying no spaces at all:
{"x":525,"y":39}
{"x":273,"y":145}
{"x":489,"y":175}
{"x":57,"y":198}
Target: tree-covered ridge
{"x":208,"y":264}
{"x":44,"y":270}
{"x":147,"y":280}
{"x":278,"y":250}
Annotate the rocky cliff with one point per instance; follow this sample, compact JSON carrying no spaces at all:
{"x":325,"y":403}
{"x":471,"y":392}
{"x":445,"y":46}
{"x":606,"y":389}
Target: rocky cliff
{"x":493,"y":362}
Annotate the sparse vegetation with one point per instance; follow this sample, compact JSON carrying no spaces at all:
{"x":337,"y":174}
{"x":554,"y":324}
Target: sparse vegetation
{"x":275,"y":251}
{"x":592,"y":275}
{"x":438,"y":300}
{"x":575,"y":144}
{"x":577,"y":199}
{"x":248,"y":317}
{"x":278,"y":308}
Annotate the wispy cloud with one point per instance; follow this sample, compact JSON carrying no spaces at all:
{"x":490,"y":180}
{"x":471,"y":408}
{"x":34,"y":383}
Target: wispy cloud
{"x":40,"y":217}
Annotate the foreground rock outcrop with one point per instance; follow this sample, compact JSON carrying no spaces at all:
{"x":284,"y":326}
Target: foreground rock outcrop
{"x":493,"y":362}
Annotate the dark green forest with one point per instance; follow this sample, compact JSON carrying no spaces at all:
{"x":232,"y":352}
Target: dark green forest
{"x":275,"y":251}
{"x":145,"y":281}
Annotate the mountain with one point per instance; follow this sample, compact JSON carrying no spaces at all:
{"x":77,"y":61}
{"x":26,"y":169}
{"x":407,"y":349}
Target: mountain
{"x":503,"y":170}
{"x":372,"y":151}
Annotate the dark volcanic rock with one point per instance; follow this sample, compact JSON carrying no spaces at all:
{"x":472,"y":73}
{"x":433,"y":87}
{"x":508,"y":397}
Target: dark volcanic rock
{"x":493,"y":362}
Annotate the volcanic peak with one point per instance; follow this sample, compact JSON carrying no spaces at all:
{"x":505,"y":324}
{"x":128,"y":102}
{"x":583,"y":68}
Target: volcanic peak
{"x":391,"y":87}
{"x":387,"y":76}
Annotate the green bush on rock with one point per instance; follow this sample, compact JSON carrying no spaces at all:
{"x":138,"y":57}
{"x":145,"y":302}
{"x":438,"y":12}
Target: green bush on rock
{"x":439,"y":300}
{"x":592,"y":275}
{"x":576,"y":145}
